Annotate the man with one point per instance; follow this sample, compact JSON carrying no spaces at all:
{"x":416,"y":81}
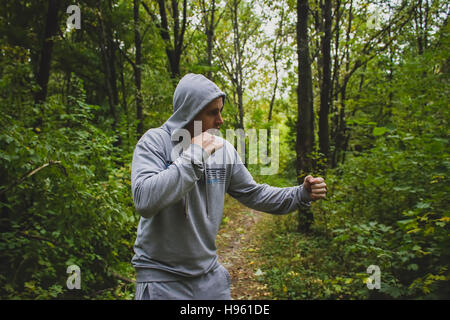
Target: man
{"x":179,"y":189}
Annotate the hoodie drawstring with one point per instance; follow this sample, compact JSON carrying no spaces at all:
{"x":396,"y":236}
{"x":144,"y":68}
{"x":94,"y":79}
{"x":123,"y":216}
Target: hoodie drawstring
{"x":206,"y":190}
{"x":186,"y":205}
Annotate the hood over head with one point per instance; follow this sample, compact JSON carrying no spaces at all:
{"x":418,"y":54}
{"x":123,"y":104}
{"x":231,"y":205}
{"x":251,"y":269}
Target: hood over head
{"x":193,"y":93}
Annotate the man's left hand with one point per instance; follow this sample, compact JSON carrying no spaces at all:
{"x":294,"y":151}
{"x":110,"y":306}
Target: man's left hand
{"x":316,"y":187}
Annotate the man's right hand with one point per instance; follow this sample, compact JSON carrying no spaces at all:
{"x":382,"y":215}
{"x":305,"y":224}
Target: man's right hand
{"x":208,"y":142}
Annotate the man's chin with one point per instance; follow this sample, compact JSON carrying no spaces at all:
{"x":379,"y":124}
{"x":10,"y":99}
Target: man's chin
{"x":213,"y":129}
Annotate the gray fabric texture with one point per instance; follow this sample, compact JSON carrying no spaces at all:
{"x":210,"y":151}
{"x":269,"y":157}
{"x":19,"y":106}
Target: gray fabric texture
{"x":215,"y":285}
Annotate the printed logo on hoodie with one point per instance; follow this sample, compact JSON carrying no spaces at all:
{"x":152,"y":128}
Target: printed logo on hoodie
{"x":216,"y":175}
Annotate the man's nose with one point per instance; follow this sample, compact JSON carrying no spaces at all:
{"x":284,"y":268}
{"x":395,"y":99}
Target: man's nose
{"x":220,"y":119}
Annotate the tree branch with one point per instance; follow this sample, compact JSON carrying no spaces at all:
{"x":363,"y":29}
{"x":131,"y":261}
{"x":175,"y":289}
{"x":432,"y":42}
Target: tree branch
{"x":32,"y":172}
{"x":133,"y":64}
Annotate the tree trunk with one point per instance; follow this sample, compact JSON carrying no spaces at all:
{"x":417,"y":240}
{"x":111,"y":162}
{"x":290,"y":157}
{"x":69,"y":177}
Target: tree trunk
{"x":238,"y":78}
{"x":275,"y":58}
{"x":208,"y":20}
{"x":124,"y":96}
{"x":421,"y":16}
{"x":339,"y":116}
{"x":137,"y":69}
{"x":111,"y":51}
{"x":305,"y":121}
{"x":175,"y":50}
{"x":51,"y":28}
{"x":240,"y":93}
{"x":210,"y":38}
{"x":335,"y":81}
{"x":108,"y":51}
{"x":106,"y":64}
{"x":325,"y":90}
{"x":419,"y":26}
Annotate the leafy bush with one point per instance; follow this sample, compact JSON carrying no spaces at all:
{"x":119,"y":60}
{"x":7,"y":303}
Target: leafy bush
{"x":64,"y":200}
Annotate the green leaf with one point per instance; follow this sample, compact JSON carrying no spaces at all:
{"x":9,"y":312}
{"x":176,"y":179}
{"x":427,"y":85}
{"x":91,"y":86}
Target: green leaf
{"x":413,"y":267}
{"x":405,"y":222}
{"x":379,"y":131}
{"x":423,"y":205}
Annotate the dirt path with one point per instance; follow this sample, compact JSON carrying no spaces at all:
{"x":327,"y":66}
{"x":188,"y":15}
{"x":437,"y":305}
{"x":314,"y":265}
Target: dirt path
{"x":237,"y":250}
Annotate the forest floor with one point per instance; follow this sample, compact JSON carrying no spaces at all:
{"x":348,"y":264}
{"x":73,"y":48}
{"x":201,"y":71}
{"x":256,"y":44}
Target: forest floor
{"x":237,"y":248}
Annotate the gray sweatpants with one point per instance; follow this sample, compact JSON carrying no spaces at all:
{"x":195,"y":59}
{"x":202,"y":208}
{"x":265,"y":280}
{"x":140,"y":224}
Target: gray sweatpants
{"x":215,"y":285}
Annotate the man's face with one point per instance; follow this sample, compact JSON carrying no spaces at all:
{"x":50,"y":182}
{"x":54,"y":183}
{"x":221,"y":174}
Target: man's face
{"x":210,"y":116}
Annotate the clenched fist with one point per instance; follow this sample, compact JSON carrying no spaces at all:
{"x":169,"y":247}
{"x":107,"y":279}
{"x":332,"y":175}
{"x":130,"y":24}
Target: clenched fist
{"x":208,"y":142}
{"x":316,"y":187}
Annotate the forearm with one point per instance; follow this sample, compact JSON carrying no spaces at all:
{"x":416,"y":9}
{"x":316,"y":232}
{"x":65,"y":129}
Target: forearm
{"x":263,"y":197}
{"x":152,"y":193}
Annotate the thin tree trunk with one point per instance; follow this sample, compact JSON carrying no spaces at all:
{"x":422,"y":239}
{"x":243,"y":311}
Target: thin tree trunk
{"x":113,"y":74}
{"x":421,"y":16}
{"x":107,"y":66}
{"x":240,"y":94}
{"x":339,"y":120}
{"x":275,"y":57}
{"x":426,"y":21}
{"x":318,"y":25}
{"x":419,"y":30}
{"x":124,"y":96}
{"x":336,"y":65}
{"x":137,"y":69}
{"x":208,"y":20}
{"x":210,"y":38}
{"x":238,"y":51}
{"x":324,"y":139}
{"x":305,"y":124}
{"x":388,"y":113}
{"x":335,"y":82}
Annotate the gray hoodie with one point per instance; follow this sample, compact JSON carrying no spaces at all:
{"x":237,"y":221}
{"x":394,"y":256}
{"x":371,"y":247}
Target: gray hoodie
{"x":179,"y":191}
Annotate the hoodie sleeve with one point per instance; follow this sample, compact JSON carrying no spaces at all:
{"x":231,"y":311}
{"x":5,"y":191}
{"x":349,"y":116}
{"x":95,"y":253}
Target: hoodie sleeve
{"x":155,"y":184}
{"x":263,"y":197}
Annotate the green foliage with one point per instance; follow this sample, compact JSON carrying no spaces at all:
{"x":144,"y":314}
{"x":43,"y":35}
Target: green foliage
{"x":64,"y":201}
{"x":387,"y":204}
